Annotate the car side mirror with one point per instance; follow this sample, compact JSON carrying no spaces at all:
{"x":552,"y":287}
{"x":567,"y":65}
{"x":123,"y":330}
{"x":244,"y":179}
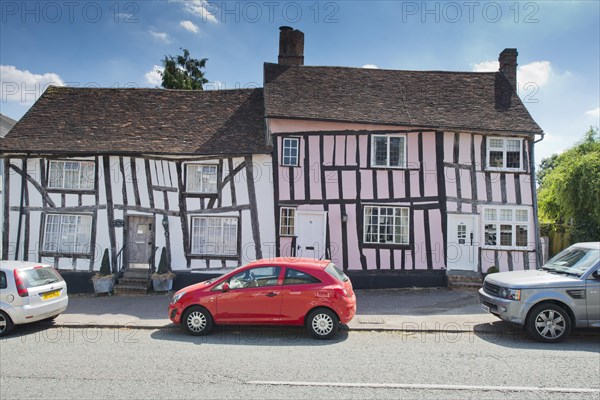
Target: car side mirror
{"x":596,"y":274}
{"x":225,"y":287}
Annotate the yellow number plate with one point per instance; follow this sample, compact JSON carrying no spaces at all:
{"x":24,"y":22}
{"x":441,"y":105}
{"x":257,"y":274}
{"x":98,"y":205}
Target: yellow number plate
{"x":50,"y":295}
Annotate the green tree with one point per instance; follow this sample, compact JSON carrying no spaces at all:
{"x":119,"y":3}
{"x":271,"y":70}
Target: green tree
{"x":569,"y":188}
{"x":183,"y":72}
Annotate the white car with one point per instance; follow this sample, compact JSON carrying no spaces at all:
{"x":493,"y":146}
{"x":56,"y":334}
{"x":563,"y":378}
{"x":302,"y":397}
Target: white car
{"x":29,"y":292}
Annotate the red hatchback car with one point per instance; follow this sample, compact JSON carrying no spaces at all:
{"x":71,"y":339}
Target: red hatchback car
{"x":279,"y":291}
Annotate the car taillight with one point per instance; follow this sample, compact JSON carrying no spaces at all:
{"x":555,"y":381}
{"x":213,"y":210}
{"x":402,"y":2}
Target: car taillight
{"x":21,"y":289}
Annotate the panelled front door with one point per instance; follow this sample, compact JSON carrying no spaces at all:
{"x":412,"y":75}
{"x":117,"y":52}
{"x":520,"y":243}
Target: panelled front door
{"x":462,"y":242}
{"x":310,"y":231}
{"x":139,"y":238}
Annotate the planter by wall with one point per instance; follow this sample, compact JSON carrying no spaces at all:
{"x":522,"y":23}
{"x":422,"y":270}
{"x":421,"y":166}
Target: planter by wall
{"x":103,"y":285}
{"x":162,"y":285}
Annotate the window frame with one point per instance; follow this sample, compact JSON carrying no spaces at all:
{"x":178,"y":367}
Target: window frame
{"x":221,"y":255}
{"x":499,"y":224}
{"x":388,"y":136}
{"x":283,"y":147}
{"x":291,"y":226}
{"x":201,"y":191}
{"x":59,"y":251}
{"x":379,"y":207}
{"x":49,"y":186}
{"x":504,"y":166}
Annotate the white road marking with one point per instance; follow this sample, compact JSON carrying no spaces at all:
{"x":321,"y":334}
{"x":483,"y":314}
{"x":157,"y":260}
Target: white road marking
{"x":429,"y":387}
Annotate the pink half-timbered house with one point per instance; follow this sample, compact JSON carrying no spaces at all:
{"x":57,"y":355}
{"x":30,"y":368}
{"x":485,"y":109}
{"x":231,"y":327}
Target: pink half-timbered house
{"x":401,"y":170}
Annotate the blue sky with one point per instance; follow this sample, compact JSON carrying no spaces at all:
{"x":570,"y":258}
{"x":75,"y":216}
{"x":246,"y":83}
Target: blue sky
{"x":117,"y":44}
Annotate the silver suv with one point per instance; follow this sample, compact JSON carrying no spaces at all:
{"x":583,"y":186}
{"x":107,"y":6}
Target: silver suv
{"x":548,"y":302}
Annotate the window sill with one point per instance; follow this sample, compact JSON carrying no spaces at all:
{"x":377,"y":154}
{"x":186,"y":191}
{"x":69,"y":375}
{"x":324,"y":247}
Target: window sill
{"x":396,"y":246}
{"x":289,"y":236}
{"x":293,"y":166}
{"x":391,"y":167}
{"x":507,"y":248}
{"x":63,"y":190}
{"x":510,"y":170}
{"x":65,"y":255}
{"x":212,"y":256}
{"x":202,"y":194}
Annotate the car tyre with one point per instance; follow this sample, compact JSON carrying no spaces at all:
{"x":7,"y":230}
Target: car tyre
{"x":322,"y":323}
{"x":548,"y":323}
{"x":197,"y":321}
{"x":6,"y":324}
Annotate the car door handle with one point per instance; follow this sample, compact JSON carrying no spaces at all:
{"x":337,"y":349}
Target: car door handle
{"x":271,"y":294}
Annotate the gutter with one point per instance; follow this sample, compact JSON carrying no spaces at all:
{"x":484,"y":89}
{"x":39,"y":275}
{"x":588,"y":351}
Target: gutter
{"x":536,"y":222}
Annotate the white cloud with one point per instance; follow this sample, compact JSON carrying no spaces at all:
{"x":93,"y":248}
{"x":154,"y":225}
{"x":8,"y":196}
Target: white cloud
{"x":153,"y":77}
{"x":162,"y":36}
{"x":370,"y":66}
{"x":486,"y":66}
{"x":537,"y":72}
{"x":593,"y":113}
{"x":24,"y":86}
{"x":189,"y":26}
{"x":200,"y":8}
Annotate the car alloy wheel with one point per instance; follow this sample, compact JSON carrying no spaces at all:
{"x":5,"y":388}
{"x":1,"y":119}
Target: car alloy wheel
{"x":549,"y":323}
{"x":323,"y":323}
{"x":197,"y":321}
{"x":6,"y":324}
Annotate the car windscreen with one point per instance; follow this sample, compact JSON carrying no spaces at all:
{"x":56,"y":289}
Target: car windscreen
{"x":39,"y":276}
{"x":337,"y":273}
{"x":573,"y":261}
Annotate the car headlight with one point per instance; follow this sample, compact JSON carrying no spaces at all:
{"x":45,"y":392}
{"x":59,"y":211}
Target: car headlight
{"x":176,"y":297}
{"x":510,"y":294}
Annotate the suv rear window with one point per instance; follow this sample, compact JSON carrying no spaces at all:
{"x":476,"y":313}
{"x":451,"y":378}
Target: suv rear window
{"x":39,"y":276}
{"x":337,"y":273}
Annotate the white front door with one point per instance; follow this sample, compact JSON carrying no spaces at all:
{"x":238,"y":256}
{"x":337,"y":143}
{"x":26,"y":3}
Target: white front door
{"x":310,"y":232}
{"x":462,"y":242}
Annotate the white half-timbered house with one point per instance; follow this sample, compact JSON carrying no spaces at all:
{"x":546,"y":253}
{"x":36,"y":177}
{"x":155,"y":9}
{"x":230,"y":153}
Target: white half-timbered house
{"x":135,"y":170}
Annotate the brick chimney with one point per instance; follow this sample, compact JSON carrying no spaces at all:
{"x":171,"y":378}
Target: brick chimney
{"x":291,"y":46}
{"x":508,"y":65}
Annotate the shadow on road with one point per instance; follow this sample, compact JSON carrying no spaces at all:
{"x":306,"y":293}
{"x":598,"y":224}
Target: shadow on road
{"x":251,"y":336}
{"x":504,"y":334}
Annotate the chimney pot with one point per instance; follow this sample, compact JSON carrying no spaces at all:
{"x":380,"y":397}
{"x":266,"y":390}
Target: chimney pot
{"x":508,"y":65}
{"x":291,"y":46}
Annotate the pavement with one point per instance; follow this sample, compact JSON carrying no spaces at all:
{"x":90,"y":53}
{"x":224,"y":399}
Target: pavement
{"x":408,"y":310}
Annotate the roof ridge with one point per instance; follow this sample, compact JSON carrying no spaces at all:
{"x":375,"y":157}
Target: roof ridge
{"x":153,"y":89}
{"x":382,"y":69}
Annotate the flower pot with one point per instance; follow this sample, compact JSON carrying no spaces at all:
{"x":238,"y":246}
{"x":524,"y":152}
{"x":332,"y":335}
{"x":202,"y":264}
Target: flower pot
{"x":103,"y":285}
{"x":162,"y":285}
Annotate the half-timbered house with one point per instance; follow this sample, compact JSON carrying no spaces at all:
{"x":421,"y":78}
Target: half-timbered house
{"x":135,"y":170}
{"x":401,"y":170}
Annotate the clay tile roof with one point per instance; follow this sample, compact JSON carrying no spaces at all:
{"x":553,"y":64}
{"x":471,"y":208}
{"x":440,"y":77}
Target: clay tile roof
{"x":134,"y":121}
{"x":440,"y":100}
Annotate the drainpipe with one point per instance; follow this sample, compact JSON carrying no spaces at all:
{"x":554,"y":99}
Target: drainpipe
{"x":23,"y":183}
{"x":536,"y":222}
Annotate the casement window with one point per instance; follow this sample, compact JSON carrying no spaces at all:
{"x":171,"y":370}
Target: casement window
{"x":201,"y":178}
{"x":506,"y":227}
{"x":67,"y":233}
{"x":388,"y":225}
{"x":287,"y":221}
{"x":505,"y":154}
{"x":76,"y":175}
{"x":388,"y":151}
{"x":290,"y":151}
{"x":216,"y":236}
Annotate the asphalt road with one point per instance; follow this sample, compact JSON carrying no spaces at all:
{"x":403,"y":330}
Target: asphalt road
{"x":245,"y":363}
